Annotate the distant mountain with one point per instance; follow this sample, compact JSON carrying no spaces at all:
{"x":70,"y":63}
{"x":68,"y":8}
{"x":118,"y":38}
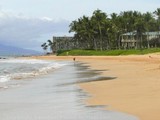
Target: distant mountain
{"x":16,"y":51}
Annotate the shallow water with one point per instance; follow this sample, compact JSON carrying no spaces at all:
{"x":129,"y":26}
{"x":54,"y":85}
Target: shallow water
{"x":54,"y":97}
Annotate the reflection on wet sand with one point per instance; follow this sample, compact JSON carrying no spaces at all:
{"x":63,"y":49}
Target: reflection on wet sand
{"x":55,"y":97}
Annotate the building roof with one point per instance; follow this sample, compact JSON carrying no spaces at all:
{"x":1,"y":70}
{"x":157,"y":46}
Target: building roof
{"x":146,"y":33}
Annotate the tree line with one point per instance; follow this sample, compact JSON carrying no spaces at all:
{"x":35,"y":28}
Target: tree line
{"x":102,"y":31}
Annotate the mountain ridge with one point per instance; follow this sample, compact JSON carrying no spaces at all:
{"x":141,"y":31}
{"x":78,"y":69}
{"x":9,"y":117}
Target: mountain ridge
{"x":16,"y":51}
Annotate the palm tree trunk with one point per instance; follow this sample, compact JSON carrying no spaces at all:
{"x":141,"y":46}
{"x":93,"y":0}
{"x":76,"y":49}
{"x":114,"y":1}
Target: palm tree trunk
{"x":100,"y":33}
{"x":148,"y":45}
{"x":95,"y":44}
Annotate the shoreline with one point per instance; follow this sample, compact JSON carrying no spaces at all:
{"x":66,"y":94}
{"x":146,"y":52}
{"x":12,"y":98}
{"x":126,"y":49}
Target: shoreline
{"x":135,"y":91}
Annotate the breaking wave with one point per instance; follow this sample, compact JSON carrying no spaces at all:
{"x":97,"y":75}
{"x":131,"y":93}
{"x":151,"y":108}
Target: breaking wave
{"x":15,"y":69}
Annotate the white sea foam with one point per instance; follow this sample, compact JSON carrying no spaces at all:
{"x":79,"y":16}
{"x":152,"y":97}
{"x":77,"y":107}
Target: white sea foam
{"x":50,"y":67}
{"x":26,"y":61}
{"x":4,"y":78}
{"x":40,"y":71}
{"x":20,"y":68}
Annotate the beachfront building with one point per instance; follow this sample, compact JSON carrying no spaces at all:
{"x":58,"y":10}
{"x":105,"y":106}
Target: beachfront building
{"x":146,"y":40}
{"x":130,"y":40}
{"x":63,"y":43}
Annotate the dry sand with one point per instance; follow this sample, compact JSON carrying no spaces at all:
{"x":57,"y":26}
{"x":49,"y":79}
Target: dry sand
{"x":136,"y":90}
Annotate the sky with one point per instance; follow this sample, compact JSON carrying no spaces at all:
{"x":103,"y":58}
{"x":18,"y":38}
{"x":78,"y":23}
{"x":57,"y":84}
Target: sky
{"x":29,"y":23}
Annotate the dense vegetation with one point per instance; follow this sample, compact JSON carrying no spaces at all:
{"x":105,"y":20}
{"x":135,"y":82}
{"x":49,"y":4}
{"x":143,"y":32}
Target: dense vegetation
{"x":102,"y":32}
{"x":107,"y":53}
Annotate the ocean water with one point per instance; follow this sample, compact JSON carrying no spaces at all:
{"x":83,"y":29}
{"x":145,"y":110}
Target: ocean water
{"x":12,"y":70}
{"x":48,"y":90}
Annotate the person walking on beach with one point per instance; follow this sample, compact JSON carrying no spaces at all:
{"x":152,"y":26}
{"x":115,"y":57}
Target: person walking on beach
{"x":74,"y":59}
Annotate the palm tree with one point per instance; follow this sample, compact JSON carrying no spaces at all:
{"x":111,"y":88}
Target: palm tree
{"x":101,"y":32}
{"x":140,"y":26}
{"x":45,"y":47}
{"x":78,"y":28}
{"x":51,"y":45}
{"x":99,"y":19}
{"x":83,"y":29}
{"x":157,"y":13}
{"x":116,"y":26}
{"x":149,"y":21}
{"x":88,"y":32}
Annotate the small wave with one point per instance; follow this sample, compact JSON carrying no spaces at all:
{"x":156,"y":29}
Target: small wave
{"x":25,"y":68}
{"x":28,"y":61}
{"x":40,"y":71}
{"x":50,"y":67}
{"x":4,"y":78}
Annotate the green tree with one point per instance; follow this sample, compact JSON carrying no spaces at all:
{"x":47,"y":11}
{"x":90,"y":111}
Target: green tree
{"x":140,"y":26}
{"x":149,"y":22}
{"x":51,"y":44}
{"x":45,"y":47}
{"x":99,"y":20}
{"x":102,"y":32}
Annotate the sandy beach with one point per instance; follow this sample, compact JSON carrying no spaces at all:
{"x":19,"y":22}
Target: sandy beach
{"x":136,"y":89}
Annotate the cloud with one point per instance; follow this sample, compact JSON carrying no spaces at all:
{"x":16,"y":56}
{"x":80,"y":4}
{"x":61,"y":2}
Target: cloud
{"x":28,"y":32}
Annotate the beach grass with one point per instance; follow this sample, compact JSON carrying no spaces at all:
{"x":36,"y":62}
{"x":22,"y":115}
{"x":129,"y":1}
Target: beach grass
{"x":107,"y":52}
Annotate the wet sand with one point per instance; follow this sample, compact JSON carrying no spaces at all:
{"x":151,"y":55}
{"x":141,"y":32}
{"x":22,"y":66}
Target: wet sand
{"x":136,"y":88}
{"x":55,"y":96}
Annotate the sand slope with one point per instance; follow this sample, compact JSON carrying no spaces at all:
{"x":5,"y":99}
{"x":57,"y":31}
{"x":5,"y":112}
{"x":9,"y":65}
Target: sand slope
{"x":136,"y":90}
